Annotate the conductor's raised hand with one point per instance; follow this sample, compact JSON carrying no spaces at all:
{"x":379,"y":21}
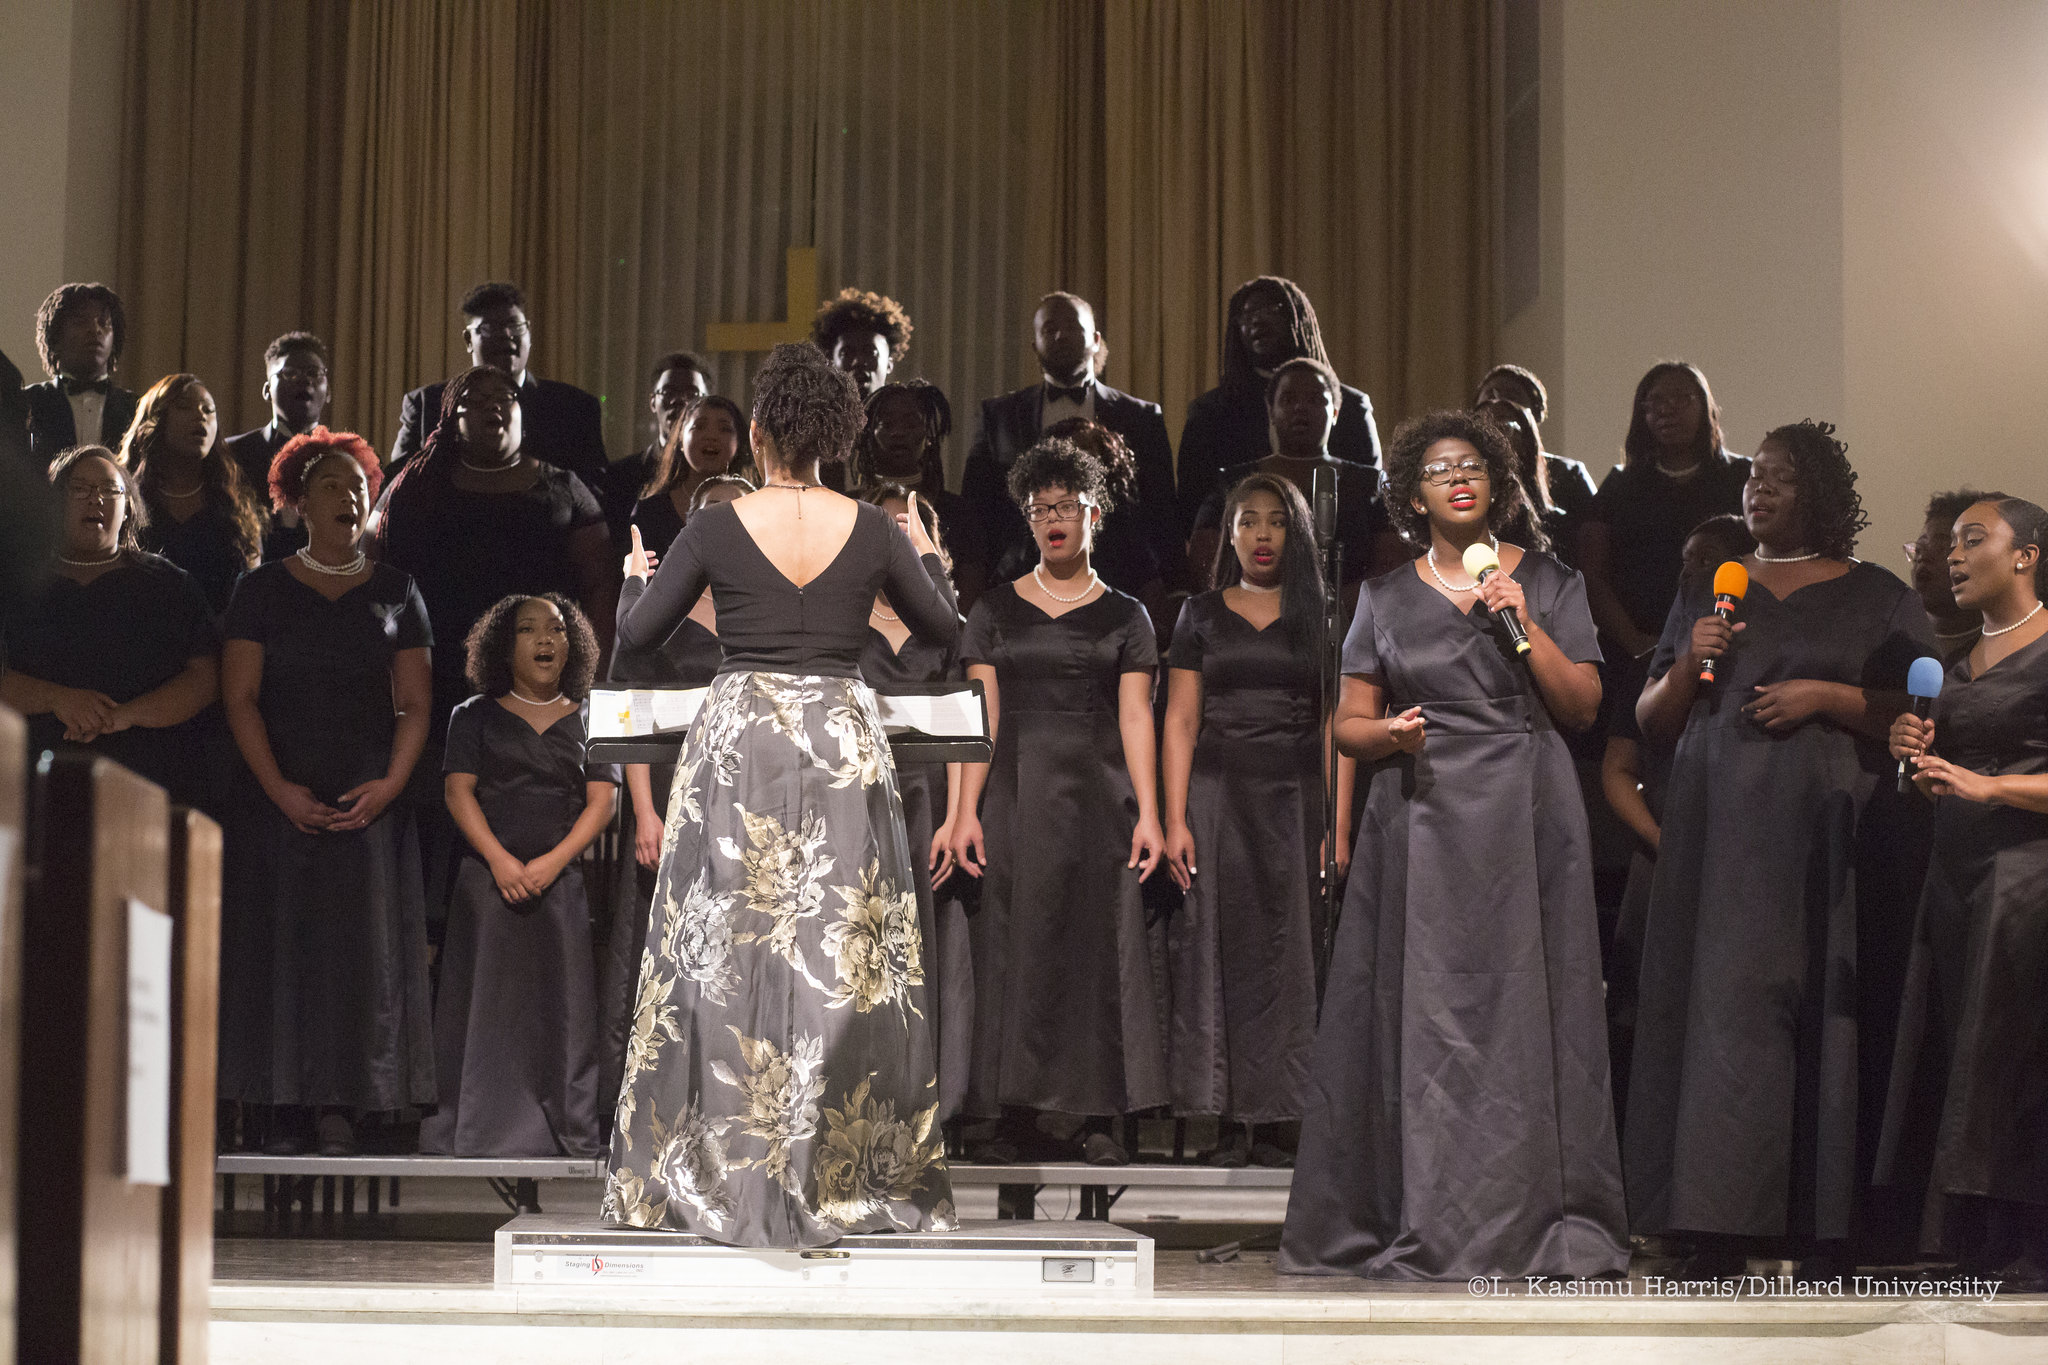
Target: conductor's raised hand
{"x":913,"y":526}
{"x":639,"y":562}
{"x":1406,"y":730}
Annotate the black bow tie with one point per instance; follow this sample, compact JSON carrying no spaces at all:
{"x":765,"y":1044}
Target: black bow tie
{"x":1076,"y":395}
{"x":98,"y":386}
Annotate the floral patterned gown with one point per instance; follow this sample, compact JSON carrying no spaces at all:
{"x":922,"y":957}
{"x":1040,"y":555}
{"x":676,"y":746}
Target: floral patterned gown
{"x":780,"y":1086}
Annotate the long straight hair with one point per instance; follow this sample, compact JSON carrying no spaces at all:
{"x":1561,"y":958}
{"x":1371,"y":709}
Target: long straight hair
{"x":219,"y":473}
{"x":1639,"y":445}
{"x":1301,"y":578}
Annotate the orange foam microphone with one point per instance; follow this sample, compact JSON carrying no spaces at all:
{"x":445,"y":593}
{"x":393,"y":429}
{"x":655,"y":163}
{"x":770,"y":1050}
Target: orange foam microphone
{"x":1731,"y":584}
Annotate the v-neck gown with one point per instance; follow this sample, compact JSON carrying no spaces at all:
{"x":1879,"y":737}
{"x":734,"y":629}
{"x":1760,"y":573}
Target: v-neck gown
{"x":515,"y":1024}
{"x":1742,"y":1095}
{"x":1241,"y":948}
{"x":323,"y":983}
{"x":1067,"y":1004}
{"x":1971,"y":1072}
{"x":780,"y":1085}
{"x":1458,"y":1121}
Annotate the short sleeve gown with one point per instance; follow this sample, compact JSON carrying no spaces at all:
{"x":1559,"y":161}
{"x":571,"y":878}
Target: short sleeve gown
{"x":780,"y":1085}
{"x":1971,"y":1072}
{"x":1241,"y":949}
{"x":126,"y":633}
{"x":515,"y":1023}
{"x":688,"y":658}
{"x":949,"y":961}
{"x":323,"y":992}
{"x":1067,"y":1010}
{"x":1458,"y":1120}
{"x":1743,"y":1094}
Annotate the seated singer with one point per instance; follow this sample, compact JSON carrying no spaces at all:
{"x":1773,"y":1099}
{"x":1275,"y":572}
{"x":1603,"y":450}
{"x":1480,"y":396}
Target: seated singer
{"x":780,"y":1085}
{"x":1457,"y":1120}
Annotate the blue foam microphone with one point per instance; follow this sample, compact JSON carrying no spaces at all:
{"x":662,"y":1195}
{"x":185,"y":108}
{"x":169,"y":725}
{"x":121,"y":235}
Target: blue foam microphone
{"x":1923,"y":685}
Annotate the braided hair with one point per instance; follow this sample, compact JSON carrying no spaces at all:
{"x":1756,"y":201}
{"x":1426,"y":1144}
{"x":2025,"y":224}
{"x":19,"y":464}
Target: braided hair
{"x":1304,"y":332}
{"x":938,"y":425}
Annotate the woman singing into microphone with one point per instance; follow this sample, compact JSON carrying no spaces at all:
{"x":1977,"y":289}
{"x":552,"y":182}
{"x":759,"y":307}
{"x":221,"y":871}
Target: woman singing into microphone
{"x":1980,"y":969}
{"x":1457,"y":1119}
{"x":1742,"y":1097}
{"x":780,"y":1088}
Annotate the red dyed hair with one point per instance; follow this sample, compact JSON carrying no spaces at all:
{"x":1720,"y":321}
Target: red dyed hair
{"x":288,"y":470}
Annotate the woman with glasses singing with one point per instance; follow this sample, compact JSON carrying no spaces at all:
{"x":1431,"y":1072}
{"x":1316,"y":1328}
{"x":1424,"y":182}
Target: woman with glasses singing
{"x":1457,"y":1119}
{"x":1066,"y":1020}
{"x":1742,"y":1105}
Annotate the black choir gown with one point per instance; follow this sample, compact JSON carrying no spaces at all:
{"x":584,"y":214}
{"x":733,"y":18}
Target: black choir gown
{"x":323,"y":990}
{"x":688,"y":658}
{"x":1067,"y":1009}
{"x":1241,"y":949}
{"x":1971,"y":1071}
{"x":949,"y":960}
{"x":1458,"y":1120}
{"x":515,"y":1025}
{"x":1743,"y":1092}
{"x":203,"y":545}
{"x":126,"y":633}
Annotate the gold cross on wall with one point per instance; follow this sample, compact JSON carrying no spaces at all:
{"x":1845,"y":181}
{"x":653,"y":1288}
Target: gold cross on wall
{"x":801,"y":303}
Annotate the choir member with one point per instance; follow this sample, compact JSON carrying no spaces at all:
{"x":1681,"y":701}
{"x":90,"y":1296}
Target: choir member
{"x":296,"y":385}
{"x":1070,"y":351}
{"x":563,"y":424}
{"x":780,"y":1085}
{"x":326,"y":683}
{"x":707,"y":441}
{"x":1122,"y":554}
{"x":679,"y":380}
{"x":1569,"y":484}
{"x":688,"y":658}
{"x":1742,"y":1103}
{"x":80,"y":329}
{"x":13,"y":421}
{"x":1269,"y":322}
{"x":1458,"y":1121}
{"x":515,"y":1021}
{"x":1632,"y":777}
{"x":203,"y":516}
{"x":1974,"y":1042}
{"x":1956,"y":628}
{"x":1674,"y":474}
{"x":1066,"y":1015}
{"x":1303,"y":401}
{"x":1243,"y":754}
{"x":114,"y":650}
{"x":904,"y":443}
{"x":863,"y":333}
{"x":896,"y":660}
{"x":1533,"y":467}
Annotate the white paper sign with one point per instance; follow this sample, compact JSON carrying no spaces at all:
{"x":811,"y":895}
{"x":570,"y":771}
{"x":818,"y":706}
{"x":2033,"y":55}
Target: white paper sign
{"x":149,"y":1046}
{"x":943,"y":714}
{"x":641,"y":711}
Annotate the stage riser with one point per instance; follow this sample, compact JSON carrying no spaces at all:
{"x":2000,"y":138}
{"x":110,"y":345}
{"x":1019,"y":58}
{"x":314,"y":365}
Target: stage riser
{"x":345,"y":1340}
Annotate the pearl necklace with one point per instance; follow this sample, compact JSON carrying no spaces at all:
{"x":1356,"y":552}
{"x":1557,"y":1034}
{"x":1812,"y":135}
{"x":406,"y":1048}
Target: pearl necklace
{"x":89,"y":563}
{"x":473,"y":467}
{"x":886,"y":616}
{"x":1470,"y":587}
{"x":2007,"y":630}
{"x":194,"y":491}
{"x":1038,"y":572}
{"x":304,"y":555}
{"x":1763,"y":558}
{"x":534,"y":701}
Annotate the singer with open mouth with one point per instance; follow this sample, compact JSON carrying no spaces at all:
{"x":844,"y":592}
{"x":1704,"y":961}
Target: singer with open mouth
{"x":1457,"y":1119}
{"x":1741,"y":1136}
{"x":1974,"y":1093}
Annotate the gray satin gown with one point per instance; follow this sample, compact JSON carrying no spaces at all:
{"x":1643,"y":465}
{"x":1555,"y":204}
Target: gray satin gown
{"x":1457,"y":1119}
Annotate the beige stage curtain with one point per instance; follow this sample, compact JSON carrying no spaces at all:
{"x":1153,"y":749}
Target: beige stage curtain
{"x":640,"y":166}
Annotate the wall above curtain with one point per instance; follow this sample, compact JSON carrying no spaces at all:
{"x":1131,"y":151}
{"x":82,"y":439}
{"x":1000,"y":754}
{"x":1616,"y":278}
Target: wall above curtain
{"x":353,"y":166}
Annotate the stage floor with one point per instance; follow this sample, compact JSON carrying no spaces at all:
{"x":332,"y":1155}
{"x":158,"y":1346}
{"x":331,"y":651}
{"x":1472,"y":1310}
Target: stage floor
{"x":402,"y":1301}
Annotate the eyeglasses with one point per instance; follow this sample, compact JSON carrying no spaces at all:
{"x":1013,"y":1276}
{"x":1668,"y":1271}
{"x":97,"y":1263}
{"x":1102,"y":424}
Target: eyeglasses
{"x":1438,"y":473}
{"x":96,"y":492}
{"x":516,"y":331}
{"x":1068,"y":509}
{"x":1933,"y":550}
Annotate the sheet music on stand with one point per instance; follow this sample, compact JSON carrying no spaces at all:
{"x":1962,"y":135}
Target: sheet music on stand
{"x":944,"y":722}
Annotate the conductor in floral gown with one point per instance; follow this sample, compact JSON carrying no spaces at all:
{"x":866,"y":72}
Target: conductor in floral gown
{"x":780,"y":1086}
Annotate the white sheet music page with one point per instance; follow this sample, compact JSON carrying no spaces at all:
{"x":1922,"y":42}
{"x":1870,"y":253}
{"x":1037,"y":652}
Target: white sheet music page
{"x":950,"y":715}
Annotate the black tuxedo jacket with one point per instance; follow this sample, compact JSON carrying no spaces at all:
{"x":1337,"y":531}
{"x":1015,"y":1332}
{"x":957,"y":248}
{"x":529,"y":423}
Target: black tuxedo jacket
{"x":253,"y":451}
{"x":51,"y":431}
{"x":13,"y":414}
{"x":1010,"y":426}
{"x":563,"y":425}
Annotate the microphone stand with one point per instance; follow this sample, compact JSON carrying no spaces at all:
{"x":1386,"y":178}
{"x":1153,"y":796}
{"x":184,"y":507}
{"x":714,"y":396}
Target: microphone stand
{"x":1329,"y":645}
